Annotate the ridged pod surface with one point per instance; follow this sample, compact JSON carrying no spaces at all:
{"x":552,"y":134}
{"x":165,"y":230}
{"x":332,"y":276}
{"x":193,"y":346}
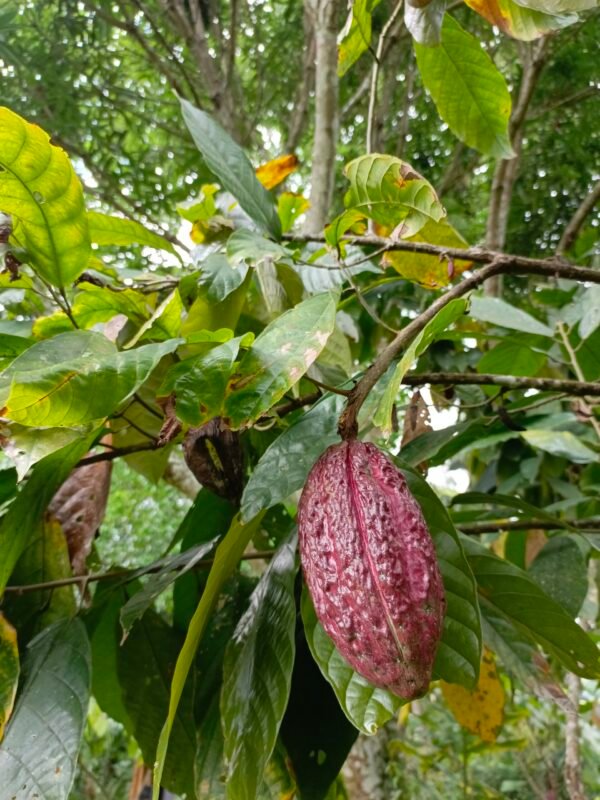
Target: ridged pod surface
{"x":370,"y":566}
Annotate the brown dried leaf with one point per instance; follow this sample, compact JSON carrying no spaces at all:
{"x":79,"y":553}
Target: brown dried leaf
{"x":79,"y":506}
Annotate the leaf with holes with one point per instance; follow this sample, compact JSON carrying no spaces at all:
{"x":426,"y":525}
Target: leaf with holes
{"x":44,"y":196}
{"x":257,"y":674}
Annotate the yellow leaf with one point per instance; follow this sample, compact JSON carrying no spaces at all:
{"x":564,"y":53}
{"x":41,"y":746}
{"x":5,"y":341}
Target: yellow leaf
{"x":429,"y":271}
{"x":274,"y":172}
{"x":216,"y":229}
{"x":9,"y":671}
{"x":517,"y":21}
{"x":480,"y":711}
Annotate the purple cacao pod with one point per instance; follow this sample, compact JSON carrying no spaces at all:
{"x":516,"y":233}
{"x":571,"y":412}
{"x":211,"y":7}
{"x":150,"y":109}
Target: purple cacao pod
{"x":371,"y":568}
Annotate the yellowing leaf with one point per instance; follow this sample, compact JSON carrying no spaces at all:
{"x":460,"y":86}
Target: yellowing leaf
{"x":480,"y":711}
{"x":429,"y":271}
{"x":40,"y":190}
{"x":519,"y":22}
{"x":9,"y":671}
{"x":274,"y":172}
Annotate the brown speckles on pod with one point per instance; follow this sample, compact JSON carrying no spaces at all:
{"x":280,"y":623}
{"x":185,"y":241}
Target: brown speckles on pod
{"x":370,"y":566}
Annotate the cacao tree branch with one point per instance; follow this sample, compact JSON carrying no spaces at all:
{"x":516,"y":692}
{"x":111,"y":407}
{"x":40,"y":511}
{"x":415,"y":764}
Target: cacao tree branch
{"x":575,"y":388}
{"x":126,"y":574}
{"x":590,"y":525}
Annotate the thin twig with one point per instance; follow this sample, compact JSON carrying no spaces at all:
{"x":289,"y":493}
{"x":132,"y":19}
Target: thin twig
{"x":132,"y":573}
{"x":375,"y":74}
{"x":574,"y":388}
{"x":591,"y":525}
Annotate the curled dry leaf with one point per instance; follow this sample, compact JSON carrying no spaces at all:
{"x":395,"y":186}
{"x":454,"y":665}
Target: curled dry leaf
{"x":214,"y":455}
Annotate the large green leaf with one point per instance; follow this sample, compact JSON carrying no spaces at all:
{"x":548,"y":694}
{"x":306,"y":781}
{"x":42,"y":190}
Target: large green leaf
{"x":470,"y":94}
{"x":200,"y":383}
{"x":442,"y":320}
{"x":561,"y":443}
{"x":24,"y":516}
{"x":108,"y":230}
{"x":9,"y":671}
{"x":38,"y":757}
{"x":283,"y":467}
{"x":515,"y":595}
{"x":26,"y":446}
{"x":499,"y":312}
{"x":227,"y":557}
{"x":367,"y":707}
{"x":355,"y":38}
{"x":512,"y":357}
{"x":75,"y":378}
{"x":560,"y":569}
{"x":229,"y":163}
{"x":145,"y":666}
{"x":257,"y":674}
{"x":390,"y":192}
{"x":219,"y":278}
{"x":459,"y":652}
{"x":40,"y":190}
{"x":95,"y":304}
{"x":279,"y":357}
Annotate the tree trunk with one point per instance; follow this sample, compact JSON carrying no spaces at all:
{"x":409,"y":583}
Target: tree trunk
{"x":364,"y":772}
{"x":507,"y":170}
{"x":323,"y":15}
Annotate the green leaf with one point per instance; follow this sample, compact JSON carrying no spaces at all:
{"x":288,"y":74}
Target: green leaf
{"x":227,"y":557}
{"x":219,"y":278}
{"x":26,"y":446}
{"x":558,"y":7}
{"x":469,"y":92}
{"x":40,"y":190}
{"x":24,"y":515}
{"x":161,"y":579}
{"x":367,"y":707}
{"x":279,"y":357}
{"x":442,"y":320}
{"x":75,"y":378}
{"x":356,"y":35}
{"x":499,"y":312}
{"x":506,"y":501}
{"x":11,"y":347}
{"x":244,"y":245}
{"x":38,"y":756}
{"x":459,"y":652}
{"x":512,"y":357}
{"x":164,"y":324}
{"x":230,"y":164}
{"x":516,"y":596}
{"x":390,"y":192}
{"x":145,"y":668}
{"x":257,"y":674}
{"x":561,"y":570}
{"x":108,"y":230}
{"x":9,"y":671}
{"x":200,"y":383}
{"x":563,"y":444}
{"x":285,"y":464}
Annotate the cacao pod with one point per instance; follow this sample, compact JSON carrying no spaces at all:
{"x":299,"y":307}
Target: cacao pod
{"x":370,"y":565}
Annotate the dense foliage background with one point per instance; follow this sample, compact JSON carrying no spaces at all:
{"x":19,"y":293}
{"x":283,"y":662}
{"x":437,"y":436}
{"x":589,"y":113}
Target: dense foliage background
{"x":230,"y":227}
